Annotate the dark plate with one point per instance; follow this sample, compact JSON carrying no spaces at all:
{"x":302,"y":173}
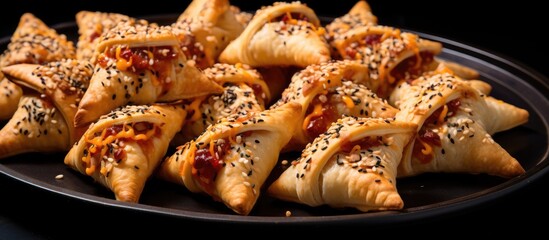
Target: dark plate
{"x":425,"y":196}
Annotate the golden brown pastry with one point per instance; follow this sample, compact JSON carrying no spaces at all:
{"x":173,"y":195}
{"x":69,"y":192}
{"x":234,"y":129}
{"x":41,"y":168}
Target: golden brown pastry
{"x":205,"y":28}
{"x":141,"y":65}
{"x":123,"y":148}
{"x":326,"y":92}
{"x":32,"y":42}
{"x":459,"y":70}
{"x":390,"y":54}
{"x":43,"y":120}
{"x":284,"y":34}
{"x":91,"y":25}
{"x":455,"y":122}
{"x":10,"y":94}
{"x":232,"y":159}
{"x":242,"y":17}
{"x":359,"y":15}
{"x":354,"y":164}
{"x":244,"y":92}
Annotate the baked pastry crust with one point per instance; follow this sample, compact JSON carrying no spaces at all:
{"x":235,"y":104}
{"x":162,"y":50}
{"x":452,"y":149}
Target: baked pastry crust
{"x":43,"y":120}
{"x":123,"y":148}
{"x":205,"y":28}
{"x":327,"y":92}
{"x":455,"y":123}
{"x":274,"y":38}
{"x":232,"y":159}
{"x":244,"y":92}
{"x":35,"y":43}
{"x":139,"y":78}
{"x":91,"y":25}
{"x":354,"y":164}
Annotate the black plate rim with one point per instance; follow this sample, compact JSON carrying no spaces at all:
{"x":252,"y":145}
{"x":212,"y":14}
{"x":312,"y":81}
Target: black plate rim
{"x":407,"y":215}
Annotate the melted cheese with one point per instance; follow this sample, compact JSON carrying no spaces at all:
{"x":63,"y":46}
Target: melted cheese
{"x":427,"y":149}
{"x":443,"y":114}
{"x":101,"y":141}
{"x":317,"y":111}
{"x":195,"y":107}
{"x":348,"y":101}
{"x":121,"y":63}
{"x":250,"y":80}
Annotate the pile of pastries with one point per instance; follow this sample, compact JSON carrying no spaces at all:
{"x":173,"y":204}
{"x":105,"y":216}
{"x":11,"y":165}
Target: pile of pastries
{"x":210,"y":101}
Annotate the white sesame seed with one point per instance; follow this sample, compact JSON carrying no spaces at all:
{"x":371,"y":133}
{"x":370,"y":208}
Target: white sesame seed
{"x":284,"y":162}
{"x":59,"y":177}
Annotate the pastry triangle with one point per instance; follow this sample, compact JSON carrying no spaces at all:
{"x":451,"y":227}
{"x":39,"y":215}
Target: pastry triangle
{"x":232,"y":159}
{"x":354,"y":164}
{"x":43,"y":120}
{"x":123,"y":148}
{"x":455,"y":122}
{"x":284,"y":34}
{"x":141,"y":65}
{"x":327,"y":92}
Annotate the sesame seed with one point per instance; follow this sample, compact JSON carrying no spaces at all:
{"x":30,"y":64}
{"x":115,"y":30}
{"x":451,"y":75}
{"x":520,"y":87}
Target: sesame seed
{"x":59,"y":177}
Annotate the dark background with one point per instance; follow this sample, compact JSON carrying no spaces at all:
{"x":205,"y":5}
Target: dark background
{"x":513,"y":31}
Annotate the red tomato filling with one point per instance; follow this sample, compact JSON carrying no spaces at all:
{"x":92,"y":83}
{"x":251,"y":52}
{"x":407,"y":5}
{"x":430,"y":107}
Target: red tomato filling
{"x":429,"y":137}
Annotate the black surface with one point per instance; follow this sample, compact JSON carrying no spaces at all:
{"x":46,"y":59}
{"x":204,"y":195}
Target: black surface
{"x":28,"y":211}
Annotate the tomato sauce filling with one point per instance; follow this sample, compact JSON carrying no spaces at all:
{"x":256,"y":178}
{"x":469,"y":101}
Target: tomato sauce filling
{"x":320,"y":121}
{"x":209,"y":160}
{"x":139,"y":59}
{"x":192,"y":51}
{"x":427,"y":137}
{"x":412,"y":67}
{"x":101,"y":143}
{"x":286,"y":18}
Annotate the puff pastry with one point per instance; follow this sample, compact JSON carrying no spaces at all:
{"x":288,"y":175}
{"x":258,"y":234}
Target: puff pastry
{"x":205,"y":28}
{"x":141,"y":65}
{"x":329,"y":90}
{"x":244,"y":92}
{"x":359,"y":15}
{"x":284,"y":34}
{"x":10,"y":94}
{"x":32,"y":42}
{"x":91,"y":25}
{"x":354,"y":164}
{"x":43,"y":120}
{"x":455,"y":122}
{"x":390,"y":54}
{"x":123,"y":148}
{"x":232,"y":159}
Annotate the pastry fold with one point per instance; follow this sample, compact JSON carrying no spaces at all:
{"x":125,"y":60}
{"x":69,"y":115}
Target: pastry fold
{"x":326,"y":92}
{"x":232,"y":159}
{"x":391,"y":55}
{"x":32,"y":42}
{"x":123,"y":148}
{"x":244,"y":92}
{"x":455,"y":122}
{"x":205,"y":28}
{"x":140,"y":64}
{"x":284,"y":34}
{"x":91,"y":25}
{"x":43,"y":120}
{"x":359,"y":15}
{"x":10,"y":94}
{"x":353,"y":164}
